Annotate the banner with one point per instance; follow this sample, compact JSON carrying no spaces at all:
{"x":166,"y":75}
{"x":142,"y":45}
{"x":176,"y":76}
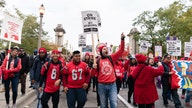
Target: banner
{"x":183,"y":74}
{"x":11,"y":29}
{"x":82,"y":40}
{"x":90,"y":21}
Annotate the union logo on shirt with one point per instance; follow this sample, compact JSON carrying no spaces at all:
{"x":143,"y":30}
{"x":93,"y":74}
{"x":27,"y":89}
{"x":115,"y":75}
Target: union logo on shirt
{"x":106,"y":69}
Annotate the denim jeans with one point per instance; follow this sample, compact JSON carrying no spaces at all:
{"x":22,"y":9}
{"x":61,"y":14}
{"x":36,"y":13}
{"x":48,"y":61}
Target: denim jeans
{"x":108,"y":91}
{"x":188,"y":96}
{"x":14,"y":81}
{"x":31,"y":77}
{"x":76,"y":94}
{"x":39,"y":105}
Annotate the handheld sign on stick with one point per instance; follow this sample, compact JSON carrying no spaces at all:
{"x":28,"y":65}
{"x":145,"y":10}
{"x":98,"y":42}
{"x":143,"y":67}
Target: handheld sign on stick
{"x":11,"y":31}
{"x":91,"y":20}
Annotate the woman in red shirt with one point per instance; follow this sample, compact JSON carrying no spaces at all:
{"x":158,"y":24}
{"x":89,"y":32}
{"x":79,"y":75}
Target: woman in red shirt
{"x":131,"y":67}
{"x":119,"y":70}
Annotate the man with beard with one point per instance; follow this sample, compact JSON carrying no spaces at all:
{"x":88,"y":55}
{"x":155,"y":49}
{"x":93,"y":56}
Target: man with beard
{"x":36,"y":70}
{"x":25,"y":63}
{"x":107,"y":88}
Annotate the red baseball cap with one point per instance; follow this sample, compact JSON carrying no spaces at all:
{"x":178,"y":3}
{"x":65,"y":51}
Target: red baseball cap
{"x":42,"y":50}
{"x":55,"y":51}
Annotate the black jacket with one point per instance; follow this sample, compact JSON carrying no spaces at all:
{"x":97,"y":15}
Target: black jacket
{"x":166,"y":77}
{"x":25,"y":63}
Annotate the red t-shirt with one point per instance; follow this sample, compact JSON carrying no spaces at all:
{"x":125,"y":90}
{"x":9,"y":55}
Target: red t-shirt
{"x":53,"y":74}
{"x":119,"y":70}
{"x":75,"y":75}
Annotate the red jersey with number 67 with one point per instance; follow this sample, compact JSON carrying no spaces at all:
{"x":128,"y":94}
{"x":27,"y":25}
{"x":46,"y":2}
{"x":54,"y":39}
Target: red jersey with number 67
{"x":52,"y":75}
{"x":75,"y":75}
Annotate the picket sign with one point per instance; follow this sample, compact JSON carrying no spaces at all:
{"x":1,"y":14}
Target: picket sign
{"x":11,"y":31}
{"x":82,"y":40}
{"x":91,"y":21}
{"x":174,"y":47}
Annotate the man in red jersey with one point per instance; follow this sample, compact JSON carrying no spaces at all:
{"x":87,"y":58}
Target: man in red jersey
{"x":75,"y":81}
{"x":107,"y":88}
{"x":51,"y":74}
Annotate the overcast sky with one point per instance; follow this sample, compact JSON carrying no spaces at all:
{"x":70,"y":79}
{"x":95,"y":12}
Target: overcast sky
{"x":116,"y":15}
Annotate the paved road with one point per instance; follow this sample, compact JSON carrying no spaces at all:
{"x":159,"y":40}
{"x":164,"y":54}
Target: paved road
{"x":92,"y":103}
{"x":29,"y":99}
{"x":22,"y":100}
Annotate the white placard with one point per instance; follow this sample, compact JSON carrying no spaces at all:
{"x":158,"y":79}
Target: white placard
{"x":82,"y":40}
{"x":158,"y":51}
{"x":11,"y":29}
{"x":174,"y":47}
{"x":90,"y":21}
{"x":143,"y":47}
{"x":187,"y":48}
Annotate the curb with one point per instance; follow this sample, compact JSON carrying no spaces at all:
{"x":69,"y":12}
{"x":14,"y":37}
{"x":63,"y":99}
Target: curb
{"x":124,"y":101}
{"x":27,"y":99}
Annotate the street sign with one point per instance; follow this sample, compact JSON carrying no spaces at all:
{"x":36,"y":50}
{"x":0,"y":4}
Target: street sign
{"x":90,"y":21}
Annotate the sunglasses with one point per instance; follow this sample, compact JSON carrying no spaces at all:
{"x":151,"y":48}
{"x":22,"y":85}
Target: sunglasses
{"x":168,"y":57}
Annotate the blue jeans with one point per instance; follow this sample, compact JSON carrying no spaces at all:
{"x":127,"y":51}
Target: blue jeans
{"x":39,"y":105}
{"x":188,"y":96}
{"x":76,"y":94}
{"x":106,"y":92}
{"x":14,"y":81}
{"x":31,"y":76}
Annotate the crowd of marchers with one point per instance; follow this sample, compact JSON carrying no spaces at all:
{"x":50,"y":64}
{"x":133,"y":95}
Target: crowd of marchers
{"x":142,"y":76}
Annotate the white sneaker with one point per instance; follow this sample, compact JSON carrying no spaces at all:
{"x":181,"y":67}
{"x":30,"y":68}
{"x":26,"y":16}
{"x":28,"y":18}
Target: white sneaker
{"x":14,"y":106}
{"x":7,"y":106}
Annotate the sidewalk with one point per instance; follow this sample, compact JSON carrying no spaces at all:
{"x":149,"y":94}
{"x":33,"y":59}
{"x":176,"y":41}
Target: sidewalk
{"x":20,"y":99}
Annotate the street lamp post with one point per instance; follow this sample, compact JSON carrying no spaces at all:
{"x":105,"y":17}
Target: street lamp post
{"x":41,"y":12}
